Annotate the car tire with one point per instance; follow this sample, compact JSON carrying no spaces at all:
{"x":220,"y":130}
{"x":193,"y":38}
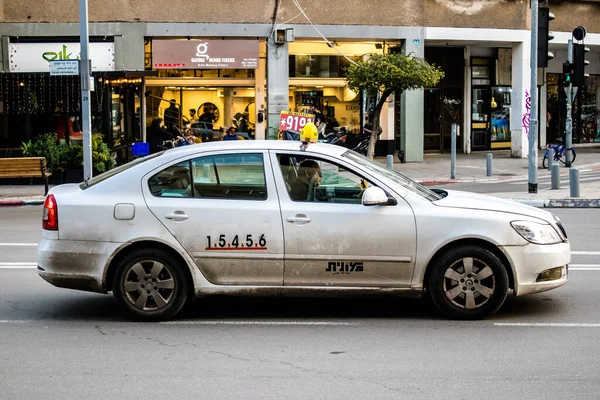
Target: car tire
{"x":468,"y":282}
{"x":149,"y":285}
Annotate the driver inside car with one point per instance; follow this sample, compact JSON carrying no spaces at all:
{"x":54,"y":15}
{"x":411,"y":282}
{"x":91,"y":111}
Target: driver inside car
{"x":309,"y":177}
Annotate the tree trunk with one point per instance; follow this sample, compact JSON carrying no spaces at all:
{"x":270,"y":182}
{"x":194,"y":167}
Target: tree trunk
{"x":376,"y":123}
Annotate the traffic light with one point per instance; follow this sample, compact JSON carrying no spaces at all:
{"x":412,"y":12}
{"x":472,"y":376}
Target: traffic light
{"x":579,"y":64}
{"x":544,"y":36}
{"x":567,"y":74}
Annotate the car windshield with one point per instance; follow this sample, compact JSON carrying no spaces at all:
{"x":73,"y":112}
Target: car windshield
{"x":379,"y":169}
{"x":108,"y":174}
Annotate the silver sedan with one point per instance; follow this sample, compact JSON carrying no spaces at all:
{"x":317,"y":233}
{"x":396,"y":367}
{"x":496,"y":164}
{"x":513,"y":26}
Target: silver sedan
{"x":272,"y":218}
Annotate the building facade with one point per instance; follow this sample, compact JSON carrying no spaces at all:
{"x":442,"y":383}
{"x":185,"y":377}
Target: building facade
{"x":222,"y":61}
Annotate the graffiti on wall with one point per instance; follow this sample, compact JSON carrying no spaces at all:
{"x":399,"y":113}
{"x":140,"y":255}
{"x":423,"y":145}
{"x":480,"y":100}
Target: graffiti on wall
{"x":527,"y":115}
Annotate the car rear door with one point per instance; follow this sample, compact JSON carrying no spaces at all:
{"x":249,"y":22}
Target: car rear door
{"x":223,"y":209}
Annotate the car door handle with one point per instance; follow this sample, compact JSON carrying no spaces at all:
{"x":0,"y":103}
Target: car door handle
{"x":177,"y":216}
{"x":299,"y":219}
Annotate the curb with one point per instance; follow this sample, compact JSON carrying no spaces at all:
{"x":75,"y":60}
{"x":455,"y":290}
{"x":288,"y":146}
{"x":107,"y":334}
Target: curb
{"x":20,"y":202}
{"x":561,"y":203}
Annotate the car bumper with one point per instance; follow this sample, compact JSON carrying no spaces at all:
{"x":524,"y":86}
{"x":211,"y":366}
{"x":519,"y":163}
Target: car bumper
{"x":532,"y":260}
{"x":75,"y":264}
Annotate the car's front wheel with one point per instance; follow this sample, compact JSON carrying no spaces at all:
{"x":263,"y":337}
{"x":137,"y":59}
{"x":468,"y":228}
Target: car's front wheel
{"x":468,"y":282}
{"x":149,"y":285}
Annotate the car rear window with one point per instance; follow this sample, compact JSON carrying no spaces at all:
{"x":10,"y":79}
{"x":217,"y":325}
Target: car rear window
{"x":115,"y":171}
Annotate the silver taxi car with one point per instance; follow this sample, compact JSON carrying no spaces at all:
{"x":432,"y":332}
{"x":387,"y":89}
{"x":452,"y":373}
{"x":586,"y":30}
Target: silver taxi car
{"x":272,"y":218}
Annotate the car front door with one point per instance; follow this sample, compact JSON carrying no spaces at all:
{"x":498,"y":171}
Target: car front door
{"x":223,"y":209}
{"x":331,"y":238}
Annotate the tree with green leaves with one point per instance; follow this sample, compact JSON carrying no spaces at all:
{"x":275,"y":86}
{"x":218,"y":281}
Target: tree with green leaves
{"x":388,"y":73}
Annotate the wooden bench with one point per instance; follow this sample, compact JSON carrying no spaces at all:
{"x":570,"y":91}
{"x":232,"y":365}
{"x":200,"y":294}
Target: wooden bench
{"x":25,"y":167}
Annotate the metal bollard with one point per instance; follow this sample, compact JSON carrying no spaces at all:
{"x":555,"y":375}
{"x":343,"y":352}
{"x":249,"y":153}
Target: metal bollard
{"x":574,"y":182}
{"x":555,"y":176}
{"x":488,"y":164}
{"x":453,"y":151}
{"x":390,"y":161}
{"x":550,"y":159}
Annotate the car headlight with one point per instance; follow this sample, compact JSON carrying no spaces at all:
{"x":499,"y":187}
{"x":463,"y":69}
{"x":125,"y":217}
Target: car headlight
{"x":536,"y":233}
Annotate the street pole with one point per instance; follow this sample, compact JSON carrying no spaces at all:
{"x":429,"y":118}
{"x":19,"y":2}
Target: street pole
{"x":533,"y":122}
{"x":569,"y":123}
{"x":84,"y":72}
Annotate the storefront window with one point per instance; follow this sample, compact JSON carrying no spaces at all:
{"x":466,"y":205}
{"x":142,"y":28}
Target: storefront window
{"x":585,"y":111}
{"x":500,"y":103}
{"x":207,"y":111}
{"x":590,"y":111}
{"x":318,"y":66}
{"x":339,"y":106}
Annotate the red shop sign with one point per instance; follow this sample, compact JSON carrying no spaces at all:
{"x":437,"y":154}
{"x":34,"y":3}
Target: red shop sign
{"x":294,"y":121}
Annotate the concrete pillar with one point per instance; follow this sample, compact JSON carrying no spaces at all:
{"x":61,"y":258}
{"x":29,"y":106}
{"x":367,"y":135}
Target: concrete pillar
{"x":227,"y":107}
{"x":466,"y":128}
{"x":387,"y":119}
{"x":259,"y":89}
{"x":277,"y":85}
{"x":129,"y":49}
{"x":521,"y":80}
{"x":412,"y":113}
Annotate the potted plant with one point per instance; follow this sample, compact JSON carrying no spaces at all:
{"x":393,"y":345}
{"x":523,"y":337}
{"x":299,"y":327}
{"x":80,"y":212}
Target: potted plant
{"x":102,"y":159}
{"x":56,"y":154}
{"x":74,"y":168}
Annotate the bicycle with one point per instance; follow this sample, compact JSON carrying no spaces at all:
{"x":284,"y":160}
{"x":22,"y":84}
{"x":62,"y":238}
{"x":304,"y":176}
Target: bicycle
{"x":559,"y":151}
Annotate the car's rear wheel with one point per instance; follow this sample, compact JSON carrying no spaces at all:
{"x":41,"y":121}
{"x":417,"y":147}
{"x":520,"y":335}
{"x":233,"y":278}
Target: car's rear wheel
{"x":468,"y":282}
{"x":150,"y":285}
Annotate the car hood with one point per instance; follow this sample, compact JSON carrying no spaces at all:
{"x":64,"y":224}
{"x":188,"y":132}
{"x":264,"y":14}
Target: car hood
{"x":475,"y":201}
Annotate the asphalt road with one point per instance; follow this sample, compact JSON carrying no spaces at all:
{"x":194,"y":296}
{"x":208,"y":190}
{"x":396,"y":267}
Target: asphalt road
{"x":61,"y":344}
{"x":520,"y":184}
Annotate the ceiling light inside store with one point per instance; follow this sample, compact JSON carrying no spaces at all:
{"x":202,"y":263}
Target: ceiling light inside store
{"x":319,"y":86}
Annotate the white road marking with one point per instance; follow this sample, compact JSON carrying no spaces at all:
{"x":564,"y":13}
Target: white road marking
{"x":14,"y":321}
{"x":585,"y":253}
{"x":584,"y":267}
{"x":17,"y":265}
{"x":275,"y":323}
{"x":18,"y":244}
{"x":546,"y":325}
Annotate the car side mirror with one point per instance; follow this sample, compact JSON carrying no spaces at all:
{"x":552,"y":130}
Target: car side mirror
{"x":374,"y":196}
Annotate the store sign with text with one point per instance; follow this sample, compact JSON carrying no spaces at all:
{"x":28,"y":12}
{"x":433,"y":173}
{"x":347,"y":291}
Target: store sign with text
{"x":293,"y":121}
{"x":36,"y":57}
{"x":205,"y":54}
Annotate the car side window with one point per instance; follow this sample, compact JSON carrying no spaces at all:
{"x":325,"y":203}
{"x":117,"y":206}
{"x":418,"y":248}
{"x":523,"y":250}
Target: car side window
{"x":229,"y":176}
{"x":173,"y":181}
{"x":314,"y":180}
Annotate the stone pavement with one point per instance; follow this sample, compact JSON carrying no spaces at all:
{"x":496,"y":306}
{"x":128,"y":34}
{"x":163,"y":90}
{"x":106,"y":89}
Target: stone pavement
{"x":435,"y":170}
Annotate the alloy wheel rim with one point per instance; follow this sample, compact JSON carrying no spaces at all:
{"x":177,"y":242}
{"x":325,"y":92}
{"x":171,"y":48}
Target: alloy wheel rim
{"x":149,"y":285}
{"x":469,"y":283}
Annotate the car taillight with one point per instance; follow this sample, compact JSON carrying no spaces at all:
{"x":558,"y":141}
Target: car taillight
{"x":50,"y":217}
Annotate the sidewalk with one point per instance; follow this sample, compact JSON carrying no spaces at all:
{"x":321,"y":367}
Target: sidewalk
{"x":435,"y":171}
{"x":471,"y":168}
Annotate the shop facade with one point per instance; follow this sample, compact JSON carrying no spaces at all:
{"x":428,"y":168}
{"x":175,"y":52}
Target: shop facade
{"x":34,"y":102}
{"x":211,"y":83}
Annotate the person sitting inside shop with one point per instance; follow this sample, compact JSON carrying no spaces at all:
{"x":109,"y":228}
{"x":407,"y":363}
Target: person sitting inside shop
{"x":156,"y":135}
{"x":231,"y":134}
{"x":309,"y":177}
{"x":63,"y":129}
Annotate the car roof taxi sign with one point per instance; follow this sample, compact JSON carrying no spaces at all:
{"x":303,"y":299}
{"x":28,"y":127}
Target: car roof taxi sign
{"x":309,"y":134}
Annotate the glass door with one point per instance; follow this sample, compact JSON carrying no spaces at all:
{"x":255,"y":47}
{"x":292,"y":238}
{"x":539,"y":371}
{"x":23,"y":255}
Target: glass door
{"x":433,"y":121}
{"x":480,"y":118}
